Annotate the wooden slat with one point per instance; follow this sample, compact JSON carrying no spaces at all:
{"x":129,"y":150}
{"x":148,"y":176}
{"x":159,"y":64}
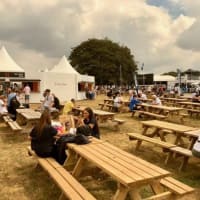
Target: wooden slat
{"x":182,"y":151}
{"x":152,"y":114}
{"x":60,"y":181}
{"x":158,"y":171}
{"x":161,"y":196}
{"x":103,"y":164}
{"x":75,"y":184}
{"x":132,"y":160}
{"x":151,"y":140}
{"x":68,"y":184}
{"x":121,"y":165}
{"x":176,"y":186}
{"x":14,"y":126}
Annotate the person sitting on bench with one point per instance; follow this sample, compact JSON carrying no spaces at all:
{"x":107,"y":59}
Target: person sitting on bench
{"x":134,"y":103}
{"x":43,"y":137}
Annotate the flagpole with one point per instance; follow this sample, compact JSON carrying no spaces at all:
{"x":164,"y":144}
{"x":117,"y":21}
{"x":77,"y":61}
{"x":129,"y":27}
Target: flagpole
{"x":142,"y":68}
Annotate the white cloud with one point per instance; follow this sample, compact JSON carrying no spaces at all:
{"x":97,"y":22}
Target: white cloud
{"x":39,"y":32}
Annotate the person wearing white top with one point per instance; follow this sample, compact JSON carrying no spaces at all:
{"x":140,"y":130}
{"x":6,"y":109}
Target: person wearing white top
{"x":156,"y":100}
{"x":3,"y":109}
{"x":48,"y":100}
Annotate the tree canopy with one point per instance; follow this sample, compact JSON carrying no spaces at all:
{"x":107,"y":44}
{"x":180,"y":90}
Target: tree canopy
{"x":109,"y":62}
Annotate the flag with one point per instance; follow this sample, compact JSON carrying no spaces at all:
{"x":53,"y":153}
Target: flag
{"x":142,"y":67}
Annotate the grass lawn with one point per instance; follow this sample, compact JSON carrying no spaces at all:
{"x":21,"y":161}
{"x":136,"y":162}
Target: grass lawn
{"x":20,"y":179}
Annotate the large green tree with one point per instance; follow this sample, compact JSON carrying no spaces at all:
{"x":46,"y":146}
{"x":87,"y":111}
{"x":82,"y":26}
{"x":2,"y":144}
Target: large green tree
{"x":109,"y":62}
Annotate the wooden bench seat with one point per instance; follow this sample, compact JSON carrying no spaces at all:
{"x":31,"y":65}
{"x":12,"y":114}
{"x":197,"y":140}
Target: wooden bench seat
{"x":119,"y":121}
{"x":172,"y":149}
{"x":110,"y":107}
{"x":70,"y":187}
{"x":7,"y":119}
{"x":101,"y":105}
{"x":176,"y":186}
{"x":153,"y":115}
{"x":140,"y":138}
{"x":12,"y":124}
{"x":180,"y":151}
{"x":193,"y":111}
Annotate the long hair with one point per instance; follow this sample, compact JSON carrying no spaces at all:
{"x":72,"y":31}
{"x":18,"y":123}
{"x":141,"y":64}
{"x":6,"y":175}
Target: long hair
{"x":45,"y":119}
{"x":90,"y":111}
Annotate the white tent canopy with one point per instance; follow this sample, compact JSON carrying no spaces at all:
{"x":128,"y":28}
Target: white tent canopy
{"x":64,"y":67}
{"x":7,"y":64}
{"x":164,"y":78}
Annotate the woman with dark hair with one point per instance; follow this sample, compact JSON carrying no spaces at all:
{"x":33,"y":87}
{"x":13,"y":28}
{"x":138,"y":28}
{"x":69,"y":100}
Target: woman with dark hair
{"x":89,"y":119}
{"x":43,"y":136}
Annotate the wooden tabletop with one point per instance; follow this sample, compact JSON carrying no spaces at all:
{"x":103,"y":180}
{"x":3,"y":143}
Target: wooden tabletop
{"x":189,"y":103}
{"x":125,"y":168}
{"x":168,"y":108}
{"x":96,"y":112}
{"x":31,"y":115}
{"x":167,"y":125}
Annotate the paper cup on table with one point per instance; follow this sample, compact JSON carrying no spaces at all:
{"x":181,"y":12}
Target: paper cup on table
{"x":72,"y":131}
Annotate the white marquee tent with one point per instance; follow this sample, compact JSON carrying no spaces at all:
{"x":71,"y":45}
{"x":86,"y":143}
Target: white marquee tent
{"x":7,"y":64}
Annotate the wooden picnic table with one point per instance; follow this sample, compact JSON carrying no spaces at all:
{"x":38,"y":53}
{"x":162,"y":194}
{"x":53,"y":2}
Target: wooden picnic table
{"x":160,"y":109}
{"x":130,"y":172}
{"x":178,"y":130}
{"x":27,"y":117}
{"x":101,"y":115}
{"x":189,"y":105}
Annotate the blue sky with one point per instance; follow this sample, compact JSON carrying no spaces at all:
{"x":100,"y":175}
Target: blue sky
{"x":174,"y":9}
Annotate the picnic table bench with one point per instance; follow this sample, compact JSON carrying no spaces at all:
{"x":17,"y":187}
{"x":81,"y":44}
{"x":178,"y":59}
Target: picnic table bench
{"x":130,"y":172}
{"x":69,"y":186}
{"x":193,"y":111}
{"x":172,"y":149}
{"x":150,"y":114}
{"x":12,"y":124}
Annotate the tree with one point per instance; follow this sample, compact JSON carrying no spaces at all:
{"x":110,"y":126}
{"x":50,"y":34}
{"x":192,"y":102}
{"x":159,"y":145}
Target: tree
{"x":170,"y":73}
{"x":104,"y":59}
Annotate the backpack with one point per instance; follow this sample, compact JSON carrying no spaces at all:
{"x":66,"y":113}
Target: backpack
{"x":14,"y":103}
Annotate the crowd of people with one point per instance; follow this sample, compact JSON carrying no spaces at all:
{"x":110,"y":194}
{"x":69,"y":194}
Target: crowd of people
{"x":46,"y":135}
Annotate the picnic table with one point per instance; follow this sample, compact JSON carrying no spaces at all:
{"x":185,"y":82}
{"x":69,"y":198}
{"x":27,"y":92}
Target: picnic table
{"x":160,"y":109}
{"x":172,"y":101}
{"x":129,"y":171}
{"x":27,"y":117}
{"x":101,"y":115}
{"x":189,"y":105}
{"x":178,"y":130}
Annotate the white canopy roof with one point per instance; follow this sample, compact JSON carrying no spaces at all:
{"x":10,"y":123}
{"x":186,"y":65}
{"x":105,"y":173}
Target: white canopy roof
{"x":64,"y":67}
{"x":168,"y":78}
{"x":7,"y":64}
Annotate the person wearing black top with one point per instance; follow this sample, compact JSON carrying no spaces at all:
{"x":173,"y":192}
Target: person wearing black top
{"x":43,"y":136}
{"x":89,"y":119}
{"x":56,"y":103}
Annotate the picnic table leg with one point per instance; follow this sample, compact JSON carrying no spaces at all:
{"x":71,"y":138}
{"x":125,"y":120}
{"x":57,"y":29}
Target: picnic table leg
{"x":170,"y":154}
{"x":144,"y":131}
{"x":156,"y":187}
{"x":71,"y":160}
{"x":134,"y":194}
{"x":139,"y":142}
{"x":178,"y":139}
{"x":62,"y":197}
{"x":184,"y":163}
{"x":121,"y":192}
{"x":191,"y":144}
{"x":79,"y":167}
{"x":154,"y":133}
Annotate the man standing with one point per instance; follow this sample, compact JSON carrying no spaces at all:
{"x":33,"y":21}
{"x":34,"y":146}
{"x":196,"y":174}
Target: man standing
{"x":27,"y":92}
